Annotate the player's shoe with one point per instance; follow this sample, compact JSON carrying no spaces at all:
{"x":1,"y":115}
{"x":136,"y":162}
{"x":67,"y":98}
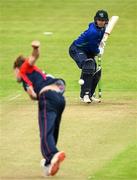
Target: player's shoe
{"x":93,"y":99}
{"x":45,"y":168}
{"x":55,"y":162}
{"x":52,"y":168}
{"x":86,"y":99}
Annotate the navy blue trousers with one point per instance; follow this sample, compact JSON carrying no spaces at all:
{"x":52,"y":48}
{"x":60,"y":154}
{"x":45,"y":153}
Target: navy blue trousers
{"x":80,"y":56}
{"x":51,"y":106}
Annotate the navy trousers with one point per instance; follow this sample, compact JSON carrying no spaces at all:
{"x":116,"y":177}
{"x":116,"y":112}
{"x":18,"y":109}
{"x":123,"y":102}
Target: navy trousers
{"x":80,"y":57}
{"x":51,"y":106}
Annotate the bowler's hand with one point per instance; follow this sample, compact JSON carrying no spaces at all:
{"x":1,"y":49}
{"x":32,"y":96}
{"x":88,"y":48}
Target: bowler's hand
{"x":35,"y":44}
{"x":31,"y":93}
{"x":35,"y":52}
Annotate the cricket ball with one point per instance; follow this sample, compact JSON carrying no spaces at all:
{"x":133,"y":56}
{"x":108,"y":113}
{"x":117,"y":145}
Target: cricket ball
{"x":81,"y":81}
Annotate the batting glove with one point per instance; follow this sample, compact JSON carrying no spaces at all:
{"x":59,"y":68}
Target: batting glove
{"x":101,"y":51}
{"x":102,"y":44}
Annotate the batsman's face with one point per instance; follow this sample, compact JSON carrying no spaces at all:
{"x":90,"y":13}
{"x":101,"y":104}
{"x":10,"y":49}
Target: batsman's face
{"x":101,"y":23}
{"x":17,"y":74}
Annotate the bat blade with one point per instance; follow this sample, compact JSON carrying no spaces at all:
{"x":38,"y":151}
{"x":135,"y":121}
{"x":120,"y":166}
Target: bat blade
{"x":113,"y":20}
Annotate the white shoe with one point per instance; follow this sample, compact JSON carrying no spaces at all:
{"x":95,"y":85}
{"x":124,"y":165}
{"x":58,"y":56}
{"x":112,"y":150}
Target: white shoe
{"x":53,"y":167}
{"x":55,"y":162}
{"x":45,"y":168}
{"x":93,"y":99}
{"x":86,"y":99}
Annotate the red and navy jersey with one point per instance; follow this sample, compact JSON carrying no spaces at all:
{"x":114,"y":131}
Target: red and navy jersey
{"x":32,"y":76}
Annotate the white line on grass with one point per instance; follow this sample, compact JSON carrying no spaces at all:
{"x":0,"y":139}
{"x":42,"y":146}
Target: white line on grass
{"x":14,"y":97}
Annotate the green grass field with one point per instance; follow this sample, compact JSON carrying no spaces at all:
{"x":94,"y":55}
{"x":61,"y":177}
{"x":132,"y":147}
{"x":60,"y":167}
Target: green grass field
{"x":99,"y":139}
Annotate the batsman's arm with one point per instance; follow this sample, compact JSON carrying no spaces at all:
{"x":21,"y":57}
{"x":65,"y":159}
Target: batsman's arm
{"x":35,"y":52}
{"x":31,"y":93}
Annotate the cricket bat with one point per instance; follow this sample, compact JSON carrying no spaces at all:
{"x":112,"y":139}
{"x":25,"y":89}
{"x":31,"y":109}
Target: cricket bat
{"x":112,"y":22}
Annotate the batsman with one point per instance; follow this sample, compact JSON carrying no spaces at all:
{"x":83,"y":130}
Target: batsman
{"x":83,"y":51}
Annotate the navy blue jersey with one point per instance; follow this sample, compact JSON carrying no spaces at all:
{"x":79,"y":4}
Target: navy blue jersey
{"x":37,"y":81}
{"x":33,"y":76}
{"x":90,"y":39}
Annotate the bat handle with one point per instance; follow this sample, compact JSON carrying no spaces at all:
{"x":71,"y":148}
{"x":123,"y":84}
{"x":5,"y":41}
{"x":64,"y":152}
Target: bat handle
{"x":99,"y":61}
{"x":99,"y":83}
